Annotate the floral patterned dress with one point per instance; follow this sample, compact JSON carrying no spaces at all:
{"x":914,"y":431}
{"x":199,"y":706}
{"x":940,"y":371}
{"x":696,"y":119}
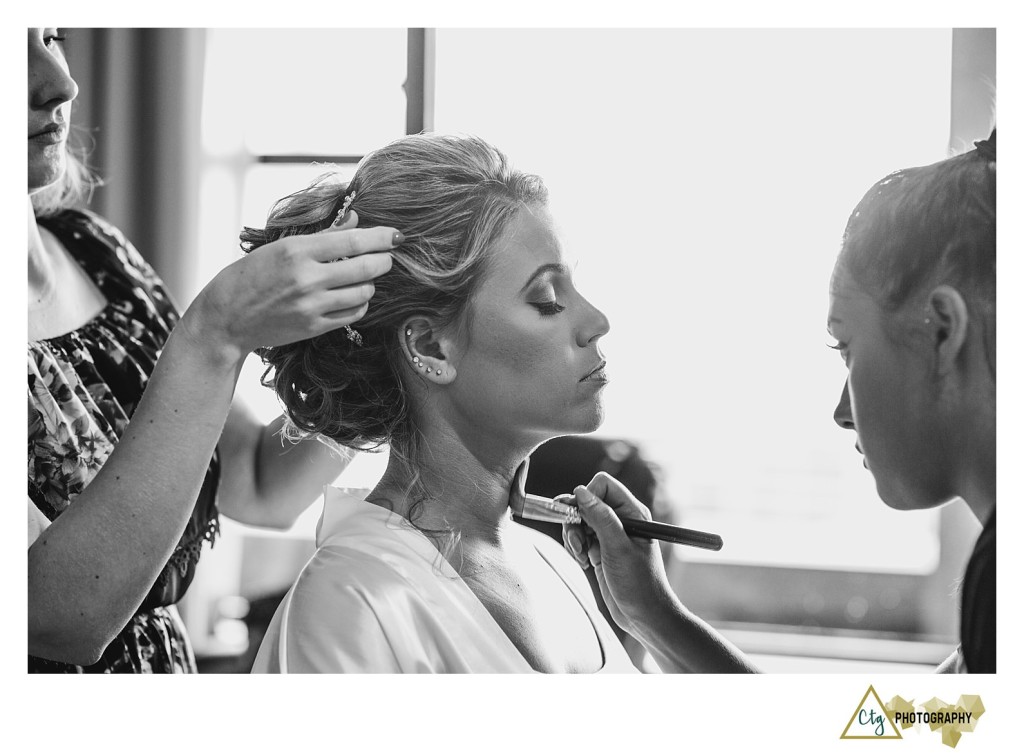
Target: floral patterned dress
{"x":82,"y":390}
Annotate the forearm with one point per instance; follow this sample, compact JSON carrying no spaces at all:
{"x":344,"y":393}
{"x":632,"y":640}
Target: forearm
{"x":681,"y":642}
{"x":269,"y":480}
{"x":90,"y":569}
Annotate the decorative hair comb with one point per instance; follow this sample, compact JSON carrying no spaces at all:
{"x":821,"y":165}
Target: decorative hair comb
{"x":350,"y":332}
{"x":343,"y":212}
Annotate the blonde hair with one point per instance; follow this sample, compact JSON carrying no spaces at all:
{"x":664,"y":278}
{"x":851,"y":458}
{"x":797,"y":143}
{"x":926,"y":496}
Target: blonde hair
{"x":452,"y":197}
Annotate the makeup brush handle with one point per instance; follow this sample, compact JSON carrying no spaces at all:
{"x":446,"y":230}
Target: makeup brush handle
{"x":650,"y":529}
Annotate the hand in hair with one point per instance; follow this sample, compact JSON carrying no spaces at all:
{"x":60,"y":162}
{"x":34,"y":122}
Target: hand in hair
{"x":291,"y":289}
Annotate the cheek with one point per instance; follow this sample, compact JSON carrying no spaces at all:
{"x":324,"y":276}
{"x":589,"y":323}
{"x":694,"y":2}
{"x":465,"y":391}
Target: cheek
{"x":883,"y":406}
{"x":522,"y":352}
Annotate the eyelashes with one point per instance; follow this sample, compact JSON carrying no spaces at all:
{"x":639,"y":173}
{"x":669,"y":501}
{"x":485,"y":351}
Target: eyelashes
{"x":548,"y":308}
{"x":840,"y":347}
{"x":57,"y":37}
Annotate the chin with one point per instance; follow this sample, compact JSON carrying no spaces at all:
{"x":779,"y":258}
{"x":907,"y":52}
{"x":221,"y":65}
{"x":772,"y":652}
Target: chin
{"x":591,"y":420}
{"x":903,"y":497}
{"x":42,"y":177}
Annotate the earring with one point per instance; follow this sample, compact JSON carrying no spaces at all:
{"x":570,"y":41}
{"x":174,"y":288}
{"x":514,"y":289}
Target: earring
{"x":439,"y":372}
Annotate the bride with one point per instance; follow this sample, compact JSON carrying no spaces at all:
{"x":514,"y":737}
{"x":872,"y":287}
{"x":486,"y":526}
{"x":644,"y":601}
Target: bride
{"x":477,"y":348}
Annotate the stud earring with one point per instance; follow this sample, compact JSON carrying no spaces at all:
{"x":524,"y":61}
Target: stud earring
{"x":439,"y":372}
{"x":408,"y":333}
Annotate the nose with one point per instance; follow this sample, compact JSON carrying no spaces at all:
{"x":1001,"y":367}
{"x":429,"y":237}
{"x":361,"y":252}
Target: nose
{"x":593,"y":325}
{"x":843,"y":416}
{"x":49,"y":80}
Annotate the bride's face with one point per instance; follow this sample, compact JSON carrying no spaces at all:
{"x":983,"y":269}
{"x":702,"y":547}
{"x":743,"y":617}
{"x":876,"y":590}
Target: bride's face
{"x":528,"y":363}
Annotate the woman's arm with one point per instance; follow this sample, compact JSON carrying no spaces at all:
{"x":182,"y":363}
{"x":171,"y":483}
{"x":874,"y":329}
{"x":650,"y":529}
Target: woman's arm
{"x":268,"y":480}
{"x":90,"y":569}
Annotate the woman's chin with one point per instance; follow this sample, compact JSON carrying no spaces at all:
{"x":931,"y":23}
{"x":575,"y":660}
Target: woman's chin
{"x":590,"y":420}
{"x":900,"y":497}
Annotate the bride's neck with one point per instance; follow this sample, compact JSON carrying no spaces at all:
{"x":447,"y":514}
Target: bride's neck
{"x":466,"y":491}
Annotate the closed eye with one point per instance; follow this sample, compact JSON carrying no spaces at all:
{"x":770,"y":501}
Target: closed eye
{"x":49,"y":39}
{"x":548,"y":308}
{"x":840,"y":346}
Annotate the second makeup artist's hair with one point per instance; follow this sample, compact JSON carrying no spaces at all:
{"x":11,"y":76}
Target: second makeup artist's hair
{"x":452,"y":197}
{"x":926,"y":226}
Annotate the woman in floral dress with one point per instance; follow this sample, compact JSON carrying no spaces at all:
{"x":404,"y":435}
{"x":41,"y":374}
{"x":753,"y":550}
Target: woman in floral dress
{"x":135,"y":440}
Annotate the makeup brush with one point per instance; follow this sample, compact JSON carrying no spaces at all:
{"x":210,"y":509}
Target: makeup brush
{"x":535,"y":507}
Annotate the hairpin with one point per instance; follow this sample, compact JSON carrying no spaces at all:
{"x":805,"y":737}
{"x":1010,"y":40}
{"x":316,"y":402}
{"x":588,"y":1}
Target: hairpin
{"x":340,"y":218}
{"x":353,"y":335}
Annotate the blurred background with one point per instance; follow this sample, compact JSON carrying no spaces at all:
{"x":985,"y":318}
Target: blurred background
{"x":701,"y":180}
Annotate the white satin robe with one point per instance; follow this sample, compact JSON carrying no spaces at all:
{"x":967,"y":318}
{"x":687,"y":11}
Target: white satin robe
{"x":377,"y":596}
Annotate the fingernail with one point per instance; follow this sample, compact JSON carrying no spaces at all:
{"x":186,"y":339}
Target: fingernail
{"x":397,"y":239}
{"x":584,"y":496}
{"x":575,"y":544}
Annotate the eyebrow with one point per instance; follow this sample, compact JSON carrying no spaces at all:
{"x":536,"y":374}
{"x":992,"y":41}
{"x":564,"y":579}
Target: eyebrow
{"x":544,"y":269}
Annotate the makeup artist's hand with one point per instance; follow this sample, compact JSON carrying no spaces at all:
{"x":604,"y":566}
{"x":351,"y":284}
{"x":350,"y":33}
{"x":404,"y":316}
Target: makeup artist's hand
{"x":630,"y":571}
{"x":290,"y":289}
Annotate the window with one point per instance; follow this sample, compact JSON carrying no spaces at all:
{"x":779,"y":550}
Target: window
{"x":703,"y":179}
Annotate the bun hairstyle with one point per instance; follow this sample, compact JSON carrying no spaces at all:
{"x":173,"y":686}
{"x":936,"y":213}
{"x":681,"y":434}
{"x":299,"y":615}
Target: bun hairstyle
{"x":452,"y":197}
{"x":926,"y":226}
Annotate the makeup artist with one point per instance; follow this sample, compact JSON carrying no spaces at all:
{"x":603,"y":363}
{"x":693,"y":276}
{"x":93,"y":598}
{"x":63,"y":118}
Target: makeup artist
{"x":135,"y":441}
{"x":912,"y":306}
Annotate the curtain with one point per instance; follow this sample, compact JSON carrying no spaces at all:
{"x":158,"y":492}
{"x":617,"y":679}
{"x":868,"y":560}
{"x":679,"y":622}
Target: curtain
{"x":138,"y":110}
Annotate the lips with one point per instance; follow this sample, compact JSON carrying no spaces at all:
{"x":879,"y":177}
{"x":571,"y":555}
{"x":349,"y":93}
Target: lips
{"x":51,"y":133}
{"x":597,"y":375}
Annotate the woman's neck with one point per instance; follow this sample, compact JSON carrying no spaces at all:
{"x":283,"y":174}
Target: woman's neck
{"x":466,"y":490}
{"x":976,"y":452}
{"x":40,"y":263}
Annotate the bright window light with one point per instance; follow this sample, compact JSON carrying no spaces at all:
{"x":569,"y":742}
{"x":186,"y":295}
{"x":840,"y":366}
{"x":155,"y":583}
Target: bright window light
{"x":703,"y":180}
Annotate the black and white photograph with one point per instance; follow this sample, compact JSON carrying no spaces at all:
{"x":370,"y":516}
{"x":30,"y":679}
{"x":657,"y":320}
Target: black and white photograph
{"x":665,"y":352}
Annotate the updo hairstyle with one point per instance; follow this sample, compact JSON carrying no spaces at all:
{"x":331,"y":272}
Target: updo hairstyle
{"x":452,"y":197}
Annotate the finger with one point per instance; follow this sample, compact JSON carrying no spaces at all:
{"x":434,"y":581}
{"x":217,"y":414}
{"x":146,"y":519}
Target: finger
{"x":325,"y":302}
{"x":326,"y":247}
{"x":615,"y":494}
{"x":575,"y":543}
{"x":599,"y":517}
{"x":351,"y":219}
{"x":339,"y":318}
{"x":355,"y":271}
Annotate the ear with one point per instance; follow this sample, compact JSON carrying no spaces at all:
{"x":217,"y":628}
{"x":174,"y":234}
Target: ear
{"x":947,"y":317}
{"x":427,"y":349}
